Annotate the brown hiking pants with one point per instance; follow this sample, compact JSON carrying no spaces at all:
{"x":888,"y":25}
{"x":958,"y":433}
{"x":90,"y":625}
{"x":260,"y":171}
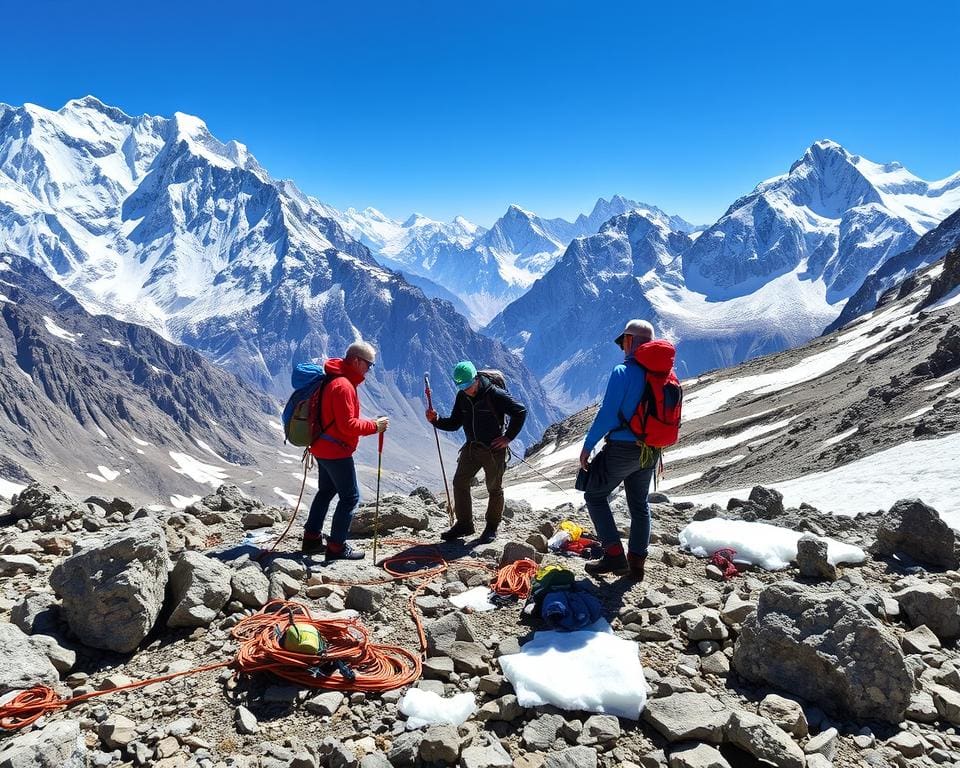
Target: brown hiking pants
{"x":473,"y":458}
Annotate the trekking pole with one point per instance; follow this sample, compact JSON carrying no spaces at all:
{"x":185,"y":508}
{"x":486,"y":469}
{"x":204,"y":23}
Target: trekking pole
{"x":523,"y":461}
{"x":376,"y":510}
{"x":443,"y":473}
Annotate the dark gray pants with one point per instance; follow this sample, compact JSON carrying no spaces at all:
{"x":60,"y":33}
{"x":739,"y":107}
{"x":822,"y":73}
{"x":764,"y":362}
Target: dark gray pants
{"x":473,"y":458}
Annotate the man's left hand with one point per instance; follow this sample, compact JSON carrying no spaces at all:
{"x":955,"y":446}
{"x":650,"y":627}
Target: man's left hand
{"x":499,"y":443}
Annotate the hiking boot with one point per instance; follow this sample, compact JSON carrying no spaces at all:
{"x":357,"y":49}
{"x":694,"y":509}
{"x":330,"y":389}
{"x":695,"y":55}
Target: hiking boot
{"x":616,"y":564}
{"x":636,"y":563}
{"x":313,"y":545}
{"x":457,"y":532}
{"x":344,"y":552}
{"x":488,"y":535}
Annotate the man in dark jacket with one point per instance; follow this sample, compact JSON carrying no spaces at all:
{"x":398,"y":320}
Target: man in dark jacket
{"x":479,"y":409}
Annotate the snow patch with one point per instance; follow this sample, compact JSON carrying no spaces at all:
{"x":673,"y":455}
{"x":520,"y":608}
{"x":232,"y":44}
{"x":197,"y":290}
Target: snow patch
{"x":428,"y":708}
{"x":61,"y":333}
{"x":8,"y":488}
{"x":476,"y":599}
{"x":842,"y":436}
{"x":198,"y":471}
{"x":182,"y":502}
{"x":722,"y":443}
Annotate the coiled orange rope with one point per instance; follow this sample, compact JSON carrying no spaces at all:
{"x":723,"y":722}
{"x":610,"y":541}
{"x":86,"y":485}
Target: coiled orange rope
{"x":515,"y":579}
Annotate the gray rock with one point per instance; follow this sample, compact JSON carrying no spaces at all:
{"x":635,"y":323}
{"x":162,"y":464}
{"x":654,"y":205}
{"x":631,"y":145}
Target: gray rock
{"x":490,"y":755}
{"x":37,"y":612}
{"x":540,"y":733}
{"x":824,"y":743}
{"x":934,"y":605}
{"x":63,"y":659}
{"x":292,"y":568}
{"x":736,"y":609}
{"x":395,"y":512}
{"x":801,"y":640}
{"x":23,"y":664}
{"x":250,"y":586}
{"x":59,"y":744}
{"x":13,"y":564}
{"x":786,"y":713}
{"x":374,"y":760}
{"x":46,"y":507}
{"x":768,"y":500}
{"x":698,"y":756}
{"x":680,"y":716}
{"x":247,"y":722}
{"x":117,"y":731}
{"x":919,"y":640}
{"x":574,"y":757}
{"x":325,"y":703}
{"x":468,"y":657}
{"x":600,"y":729}
{"x":517,"y":550}
{"x":947,"y":702}
{"x":259,"y":518}
{"x":812,"y":559}
{"x":441,"y":633}
{"x":438,"y":668}
{"x":907,"y":744}
{"x":200,"y":587}
{"x":703,"y":624}
{"x":441,"y":744}
{"x":405,"y":748}
{"x":506,"y":708}
{"x":364,"y":598}
{"x":716,"y":664}
{"x":113,"y":588}
{"x":916,"y":530}
{"x":764,"y":740}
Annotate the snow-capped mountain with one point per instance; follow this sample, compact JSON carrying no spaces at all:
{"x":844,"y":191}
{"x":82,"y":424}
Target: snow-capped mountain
{"x":848,"y":422}
{"x":769,"y":275}
{"x":486,"y":269}
{"x":926,"y":250}
{"x":155,"y":221}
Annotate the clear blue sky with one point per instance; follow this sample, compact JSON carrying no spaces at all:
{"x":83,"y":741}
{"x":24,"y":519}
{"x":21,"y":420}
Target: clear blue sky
{"x":456,"y":106}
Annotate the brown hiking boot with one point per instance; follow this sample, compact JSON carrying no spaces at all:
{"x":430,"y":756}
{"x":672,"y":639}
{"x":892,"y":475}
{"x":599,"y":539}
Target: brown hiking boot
{"x":636,"y":563}
{"x":458,"y":531}
{"x":616,"y":564}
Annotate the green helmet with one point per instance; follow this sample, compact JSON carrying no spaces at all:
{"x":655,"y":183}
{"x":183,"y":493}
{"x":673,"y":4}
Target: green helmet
{"x":464,"y":373}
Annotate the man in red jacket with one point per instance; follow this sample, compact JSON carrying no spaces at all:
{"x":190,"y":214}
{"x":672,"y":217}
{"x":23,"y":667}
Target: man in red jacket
{"x":340,"y":409}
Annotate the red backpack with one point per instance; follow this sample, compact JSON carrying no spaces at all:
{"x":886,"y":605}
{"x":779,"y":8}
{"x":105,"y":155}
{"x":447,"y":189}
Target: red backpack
{"x":656,"y":422}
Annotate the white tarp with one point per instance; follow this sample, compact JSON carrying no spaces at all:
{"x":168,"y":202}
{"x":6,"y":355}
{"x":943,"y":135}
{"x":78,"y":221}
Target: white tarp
{"x":476,"y":599}
{"x":592,"y":670}
{"x":768,"y":546}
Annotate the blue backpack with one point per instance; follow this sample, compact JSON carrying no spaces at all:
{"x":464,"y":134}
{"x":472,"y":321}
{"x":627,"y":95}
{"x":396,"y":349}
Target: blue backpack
{"x":301,"y":414}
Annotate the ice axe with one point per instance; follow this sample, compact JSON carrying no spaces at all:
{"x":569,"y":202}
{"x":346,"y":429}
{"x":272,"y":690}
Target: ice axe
{"x":376,"y":509}
{"x":443,"y":473}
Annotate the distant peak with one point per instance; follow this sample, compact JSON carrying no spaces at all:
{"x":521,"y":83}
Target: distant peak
{"x":516,"y":210}
{"x":414,"y":219}
{"x":822,"y":151}
{"x":90,"y":102}
{"x":190,"y":124}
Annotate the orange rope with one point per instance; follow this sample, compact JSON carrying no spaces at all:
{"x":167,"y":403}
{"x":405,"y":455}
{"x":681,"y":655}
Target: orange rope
{"x":514,"y":579}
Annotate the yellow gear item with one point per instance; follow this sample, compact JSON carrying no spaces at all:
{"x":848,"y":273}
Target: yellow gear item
{"x":303,"y":638}
{"x":544,"y":570}
{"x":573,"y":529}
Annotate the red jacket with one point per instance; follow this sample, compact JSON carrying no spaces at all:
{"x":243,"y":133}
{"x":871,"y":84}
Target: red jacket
{"x":341,"y":406}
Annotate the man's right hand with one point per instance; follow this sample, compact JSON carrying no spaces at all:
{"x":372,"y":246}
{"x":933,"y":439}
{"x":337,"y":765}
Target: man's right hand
{"x":382,"y":423}
{"x":431,"y":415}
{"x":585,"y":460}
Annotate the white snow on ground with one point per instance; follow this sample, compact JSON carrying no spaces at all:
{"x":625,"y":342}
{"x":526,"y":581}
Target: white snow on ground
{"x":95,"y":477}
{"x":768,"y":546}
{"x":156,"y":508}
{"x":947,"y":301}
{"x":935,"y":385}
{"x":101,"y":432}
{"x":429,"y":708}
{"x":181,"y":502}
{"x":476,"y":599}
{"x":5,"y":300}
{"x":722,"y":443}
{"x":955,"y":393}
{"x":61,"y":333}
{"x":756,"y":415}
{"x":197,"y":471}
{"x":917,"y":414}
{"x":276,"y":425}
{"x":112,"y":342}
{"x":550,"y":669}
{"x":290,"y":498}
{"x":713,"y":397}
{"x":208,"y":449}
{"x":567,"y":453}
{"x":543,"y":495}
{"x":8,"y":488}
{"x":842,"y":436}
{"x":289,"y":455}
{"x":921,"y":468}
{"x":106,"y":475}
{"x":732,"y":460}
{"x":312,"y":482}
{"x":138,"y":441}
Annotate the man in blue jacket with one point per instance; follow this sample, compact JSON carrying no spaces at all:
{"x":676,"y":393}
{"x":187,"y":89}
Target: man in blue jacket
{"x":622,"y":460}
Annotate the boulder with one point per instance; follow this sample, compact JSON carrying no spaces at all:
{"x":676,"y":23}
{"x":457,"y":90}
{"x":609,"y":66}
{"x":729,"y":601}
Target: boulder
{"x":764,"y":740}
{"x":682,"y":716}
{"x":934,"y":605}
{"x":698,"y":756}
{"x":768,"y":500}
{"x":812,"y":559}
{"x":59,"y":744}
{"x":517,"y":550}
{"x":113,"y":588}
{"x":23,"y":664}
{"x":441,"y":744}
{"x":490,"y":755}
{"x":395,"y":512}
{"x":250,"y":586}
{"x":37,"y":612}
{"x":574,"y":757}
{"x":441,"y":633}
{"x":200,"y":587}
{"x":826,"y":648}
{"x":703,"y":624}
{"x":916,"y":530}
{"x":786,"y":713}
{"x":47,"y":508}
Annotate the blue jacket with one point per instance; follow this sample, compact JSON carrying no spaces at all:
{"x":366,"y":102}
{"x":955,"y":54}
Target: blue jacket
{"x":624,"y":390}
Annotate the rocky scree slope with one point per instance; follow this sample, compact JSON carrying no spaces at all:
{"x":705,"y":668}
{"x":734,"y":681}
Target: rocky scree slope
{"x":175,"y":582}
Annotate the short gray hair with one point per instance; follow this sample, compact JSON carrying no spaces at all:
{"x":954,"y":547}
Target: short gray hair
{"x":363,"y":350}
